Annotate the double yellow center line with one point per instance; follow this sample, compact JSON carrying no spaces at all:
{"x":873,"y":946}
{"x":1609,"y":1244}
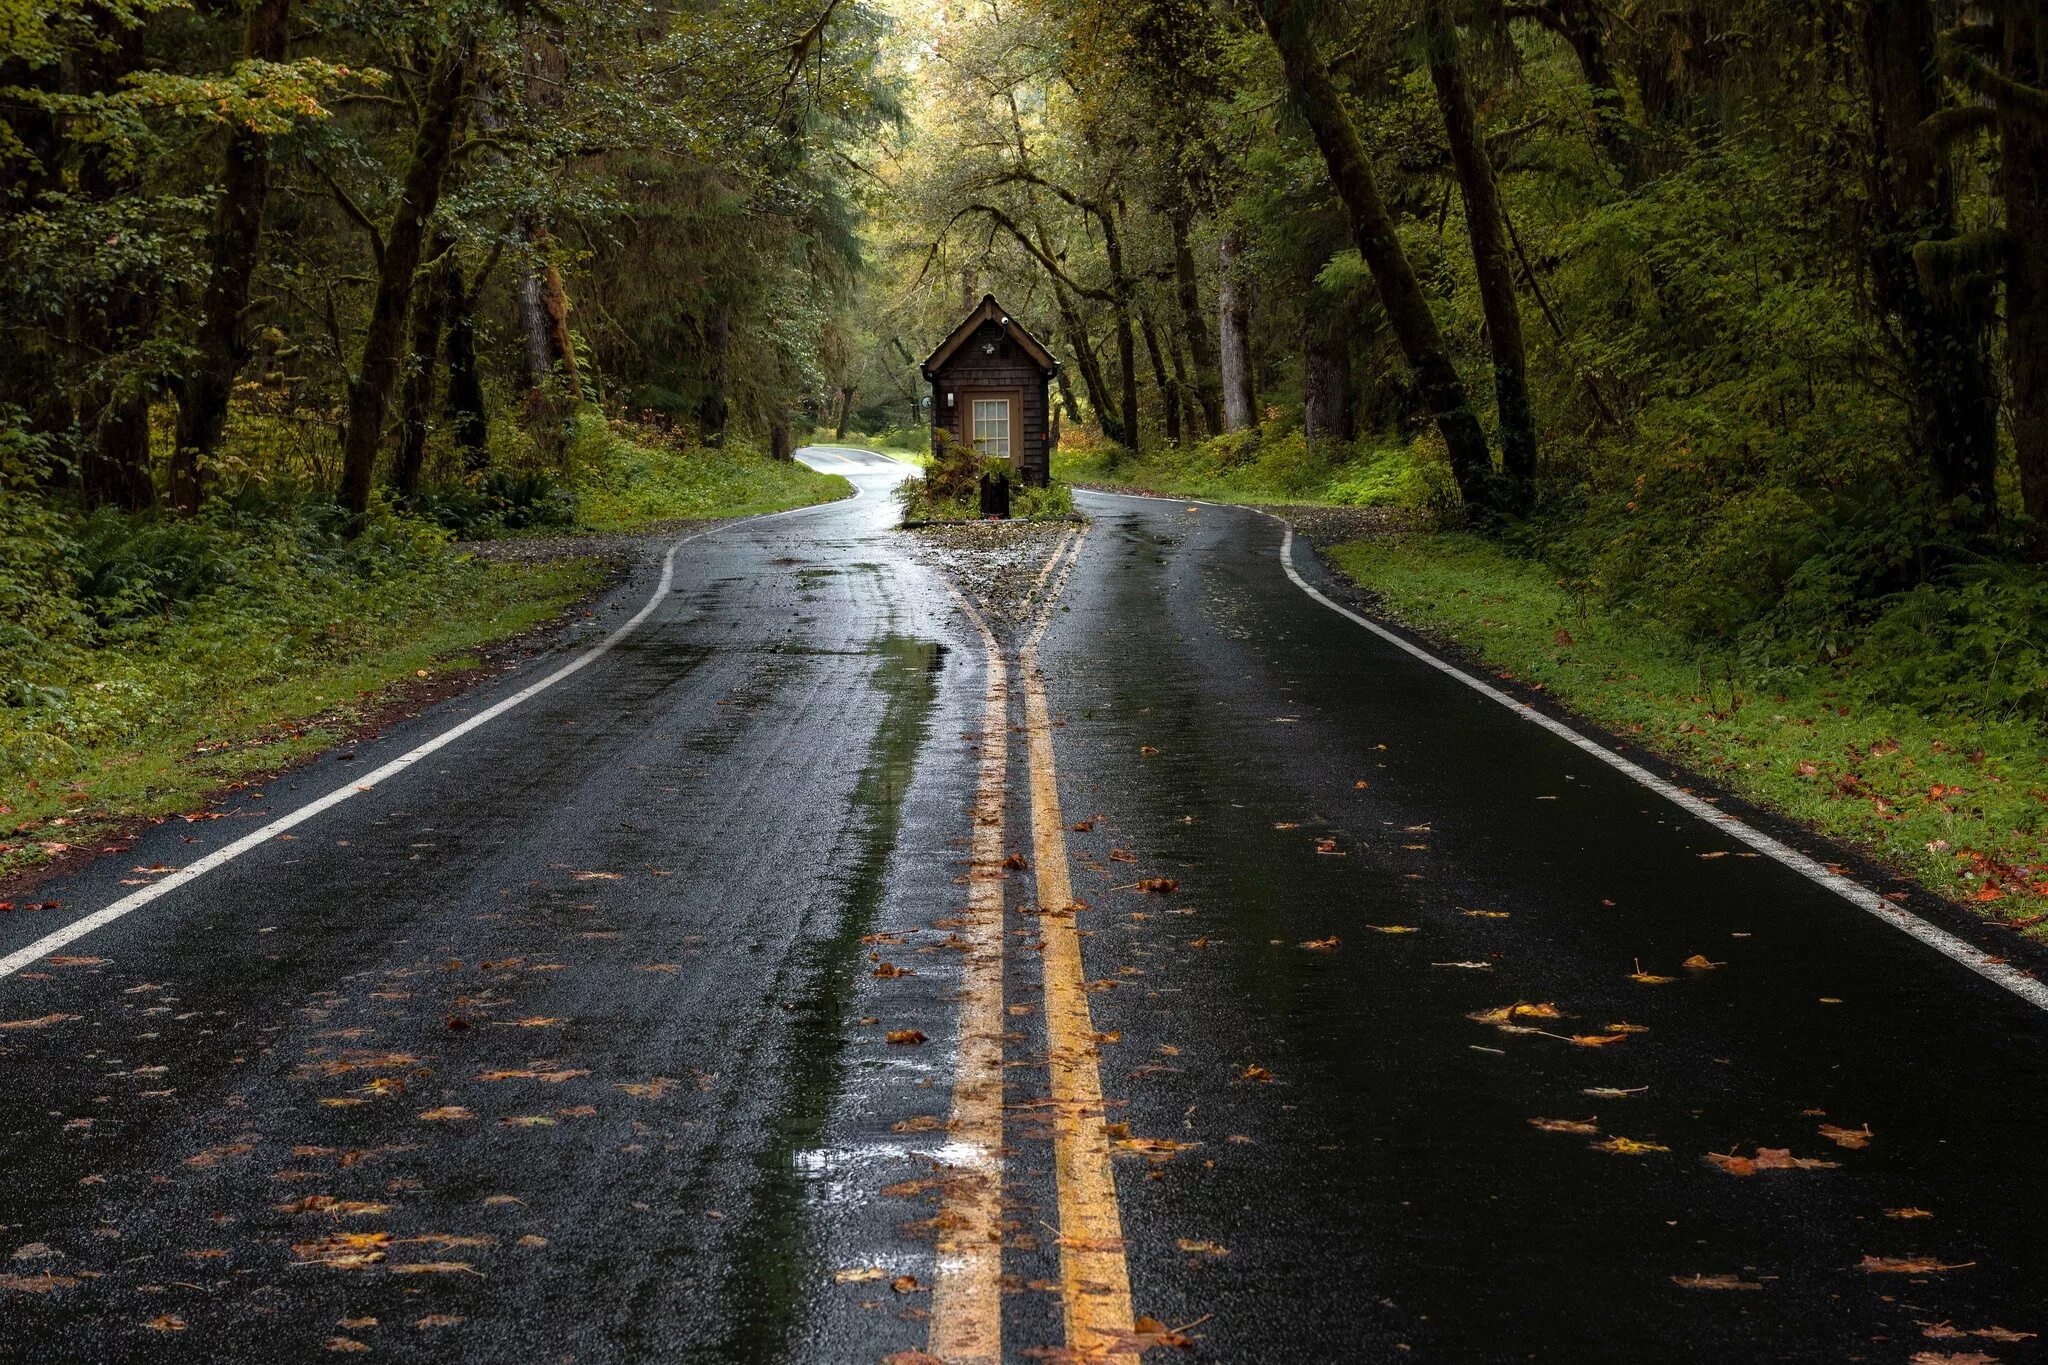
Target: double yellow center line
{"x":966,"y":1326}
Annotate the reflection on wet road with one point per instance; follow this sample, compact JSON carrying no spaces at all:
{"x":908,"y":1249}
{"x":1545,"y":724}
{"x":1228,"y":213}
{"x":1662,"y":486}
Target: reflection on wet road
{"x":1170,"y":966}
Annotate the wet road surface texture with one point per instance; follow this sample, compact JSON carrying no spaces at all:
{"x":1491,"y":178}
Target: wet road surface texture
{"x":1337,"y":1014}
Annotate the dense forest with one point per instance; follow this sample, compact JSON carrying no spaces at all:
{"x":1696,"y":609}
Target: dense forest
{"x":1730,"y":313}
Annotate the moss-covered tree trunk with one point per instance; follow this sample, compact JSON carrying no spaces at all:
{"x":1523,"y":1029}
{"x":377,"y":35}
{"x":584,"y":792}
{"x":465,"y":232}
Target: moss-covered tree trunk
{"x":1407,"y":307}
{"x":469,"y":420}
{"x":1234,"y":335}
{"x":1208,"y":389}
{"x":2023,"y":182}
{"x":403,"y":241}
{"x":1491,"y":263}
{"x":416,"y":404}
{"x":1942,"y":332}
{"x":219,"y":349}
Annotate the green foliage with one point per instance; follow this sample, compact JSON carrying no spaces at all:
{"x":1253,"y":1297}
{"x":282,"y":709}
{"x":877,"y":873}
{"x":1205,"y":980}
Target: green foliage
{"x":1275,"y":464}
{"x":623,"y":475}
{"x":1922,"y":743}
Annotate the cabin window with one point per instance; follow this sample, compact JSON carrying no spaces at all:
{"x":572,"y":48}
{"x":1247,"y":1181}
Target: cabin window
{"x":992,"y":427}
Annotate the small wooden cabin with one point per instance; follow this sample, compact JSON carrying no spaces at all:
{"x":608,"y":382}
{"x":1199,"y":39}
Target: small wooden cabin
{"x":990,"y":379}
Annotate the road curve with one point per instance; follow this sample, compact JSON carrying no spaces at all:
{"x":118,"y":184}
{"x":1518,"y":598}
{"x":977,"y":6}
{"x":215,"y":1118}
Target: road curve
{"x":571,"y":1040}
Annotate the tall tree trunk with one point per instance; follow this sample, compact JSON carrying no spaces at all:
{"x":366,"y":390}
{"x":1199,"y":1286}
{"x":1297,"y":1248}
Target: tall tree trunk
{"x":369,"y":390}
{"x":1169,"y":391}
{"x":1325,"y":384}
{"x":115,"y":408}
{"x":1184,"y":392}
{"x":1912,"y":199}
{"x":469,"y":420}
{"x":715,"y":408}
{"x":1492,"y":266}
{"x":544,"y":319}
{"x":1066,"y":390}
{"x":1208,"y":388}
{"x":416,"y":403}
{"x":1407,"y":307}
{"x":1234,"y":338}
{"x":1090,"y":366}
{"x":2023,"y":182}
{"x":237,"y":234}
{"x":1121,"y":289}
{"x":778,"y":435}
{"x":845,"y":412}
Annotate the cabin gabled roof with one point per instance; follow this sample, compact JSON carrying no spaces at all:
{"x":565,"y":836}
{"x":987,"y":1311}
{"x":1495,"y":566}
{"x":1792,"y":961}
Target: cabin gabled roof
{"x":988,"y":310}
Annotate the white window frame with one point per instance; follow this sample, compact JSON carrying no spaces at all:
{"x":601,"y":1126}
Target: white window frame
{"x":992,"y":431}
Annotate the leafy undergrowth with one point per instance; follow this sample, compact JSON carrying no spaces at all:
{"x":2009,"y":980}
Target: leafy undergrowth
{"x":625,"y":476}
{"x":1273,"y":464}
{"x":186,"y":655}
{"x":913,"y":445}
{"x":146,"y":660}
{"x":950,"y":489}
{"x":1957,"y":796}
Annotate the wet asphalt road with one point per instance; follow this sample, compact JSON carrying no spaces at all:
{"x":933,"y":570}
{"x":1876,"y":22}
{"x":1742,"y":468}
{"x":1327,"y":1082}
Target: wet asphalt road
{"x":566,"y":1043}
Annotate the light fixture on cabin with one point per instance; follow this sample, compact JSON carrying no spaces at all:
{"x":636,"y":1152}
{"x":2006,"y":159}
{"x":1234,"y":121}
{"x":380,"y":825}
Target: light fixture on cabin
{"x":949,"y":400}
{"x":988,"y":348}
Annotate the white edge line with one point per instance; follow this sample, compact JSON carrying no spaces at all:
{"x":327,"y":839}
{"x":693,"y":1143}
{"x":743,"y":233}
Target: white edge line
{"x":2027,"y":988}
{"x":227,"y":853}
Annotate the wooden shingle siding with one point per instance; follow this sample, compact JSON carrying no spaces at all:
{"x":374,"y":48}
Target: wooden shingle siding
{"x":990,"y":355}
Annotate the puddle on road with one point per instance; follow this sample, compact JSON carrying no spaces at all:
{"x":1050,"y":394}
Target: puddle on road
{"x":780,"y":1268}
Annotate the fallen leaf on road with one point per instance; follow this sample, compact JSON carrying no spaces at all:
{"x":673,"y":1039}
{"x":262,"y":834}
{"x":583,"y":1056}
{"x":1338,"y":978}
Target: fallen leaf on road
{"x":1201,"y":1248}
{"x":907,"y":1284}
{"x":1852,"y":1138}
{"x":168,"y":1322}
{"x":1942,"y":1331}
{"x":1256,"y":1074}
{"x":1621,"y":1146}
{"x":596,"y":876}
{"x":1595,"y":1039}
{"x":1628,"y":1028}
{"x":1484,"y":914}
{"x":906,"y":1037}
{"x":1698,"y":963}
{"x":1322,"y":945}
{"x":346,"y":1346}
{"x":1713,"y":1282}
{"x":61,"y":961}
{"x":647,"y":1090}
{"x":889,"y":971}
{"x":526,"y":1121}
{"x":666,"y":968}
{"x":532,"y":1021}
{"x":1608,"y":1092}
{"x":1908,"y":1213}
{"x":1649,"y":978}
{"x":1392,"y":928}
{"x":1583,"y":1127}
{"x":1907,"y":1265}
{"x":37,"y":1284}
{"x":911,"y":1358}
{"x":1159,"y":886}
{"x":1767,"y":1159}
{"x":436,"y":1268}
{"x":1015,"y":862}
{"x":447,"y":1113}
{"x":440,"y":1320}
{"x":1468,"y":966}
{"x":1951,"y":1358}
{"x":552,"y":1075}
{"x":328,"y":1204}
{"x":45,"y":1022}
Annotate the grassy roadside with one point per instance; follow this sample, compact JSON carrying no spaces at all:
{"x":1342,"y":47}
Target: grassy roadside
{"x":1273,"y":465}
{"x":1961,"y":804}
{"x":147,"y":662}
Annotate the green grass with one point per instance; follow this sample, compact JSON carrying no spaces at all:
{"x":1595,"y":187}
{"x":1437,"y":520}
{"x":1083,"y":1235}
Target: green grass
{"x":1274,"y":464}
{"x":240,"y":686}
{"x":626,"y":477}
{"x":1959,"y":803}
{"x":147,"y":661}
{"x":912,"y":445}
